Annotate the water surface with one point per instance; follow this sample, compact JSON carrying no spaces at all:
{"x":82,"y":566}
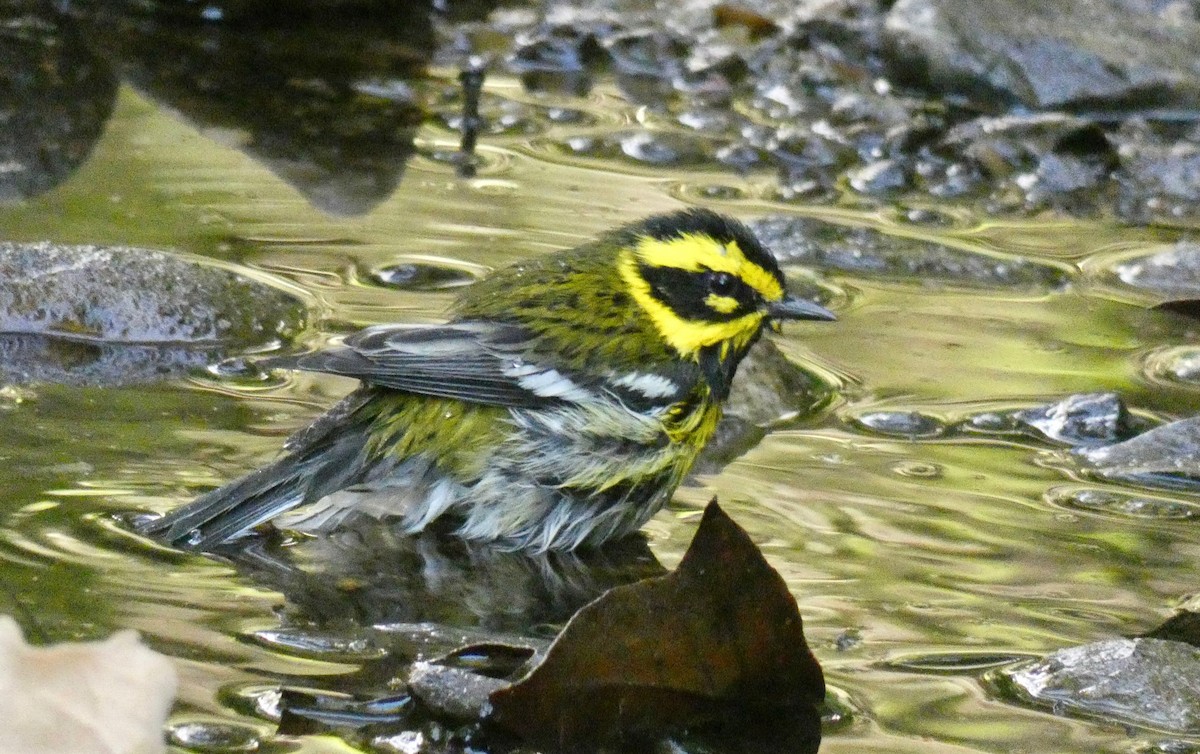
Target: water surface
{"x":918,"y":564}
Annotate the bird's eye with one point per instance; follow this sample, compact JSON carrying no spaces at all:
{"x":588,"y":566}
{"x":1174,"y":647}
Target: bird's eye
{"x":720,"y":283}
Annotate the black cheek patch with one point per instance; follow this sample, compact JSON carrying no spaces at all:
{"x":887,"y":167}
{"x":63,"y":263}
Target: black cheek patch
{"x":684,"y":292}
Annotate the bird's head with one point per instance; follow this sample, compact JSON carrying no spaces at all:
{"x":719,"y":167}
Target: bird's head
{"x":708,"y":286}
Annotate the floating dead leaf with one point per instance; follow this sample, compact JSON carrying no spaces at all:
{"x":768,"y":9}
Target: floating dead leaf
{"x":718,"y":642}
{"x":102,"y":697}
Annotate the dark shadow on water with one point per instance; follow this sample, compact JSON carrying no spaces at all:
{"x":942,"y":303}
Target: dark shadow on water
{"x":56,"y":95}
{"x":373,"y":575}
{"x":324,"y":94}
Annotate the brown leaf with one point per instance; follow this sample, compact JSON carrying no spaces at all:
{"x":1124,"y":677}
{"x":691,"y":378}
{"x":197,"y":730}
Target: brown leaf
{"x":718,"y":640}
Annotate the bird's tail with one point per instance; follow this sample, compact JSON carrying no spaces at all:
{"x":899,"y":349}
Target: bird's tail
{"x":328,"y":456}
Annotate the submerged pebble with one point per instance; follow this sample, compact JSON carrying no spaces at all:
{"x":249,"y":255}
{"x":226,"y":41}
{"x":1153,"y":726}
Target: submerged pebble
{"x":911,"y":424}
{"x":214,"y":737}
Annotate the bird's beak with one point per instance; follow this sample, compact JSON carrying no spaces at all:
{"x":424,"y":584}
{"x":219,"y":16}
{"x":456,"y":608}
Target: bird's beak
{"x":792,"y":307}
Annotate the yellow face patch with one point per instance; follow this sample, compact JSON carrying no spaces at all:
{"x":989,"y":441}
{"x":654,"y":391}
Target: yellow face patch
{"x":696,"y":253}
{"x":722,"y":304}
{"x":687,"y":337}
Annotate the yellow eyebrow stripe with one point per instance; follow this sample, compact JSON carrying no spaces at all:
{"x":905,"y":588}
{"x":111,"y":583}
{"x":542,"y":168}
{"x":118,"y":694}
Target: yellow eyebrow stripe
{"x":695,"y":253}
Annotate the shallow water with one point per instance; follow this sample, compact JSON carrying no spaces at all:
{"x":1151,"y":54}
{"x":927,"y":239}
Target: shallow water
{"x":942,"y":558}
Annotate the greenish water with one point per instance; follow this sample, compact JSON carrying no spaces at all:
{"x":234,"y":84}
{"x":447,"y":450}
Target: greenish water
{"x":927,"y":549}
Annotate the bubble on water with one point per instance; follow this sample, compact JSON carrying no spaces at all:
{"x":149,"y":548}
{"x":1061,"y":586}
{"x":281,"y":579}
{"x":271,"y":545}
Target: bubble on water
{"x":918,"y":469}
{"x":420,"y":276}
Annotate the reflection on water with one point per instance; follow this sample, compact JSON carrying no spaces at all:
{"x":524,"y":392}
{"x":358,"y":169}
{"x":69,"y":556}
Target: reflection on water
{"x":939,"y":556}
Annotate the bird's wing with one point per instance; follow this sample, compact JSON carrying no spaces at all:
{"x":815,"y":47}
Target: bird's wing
{"x":470,"y":361}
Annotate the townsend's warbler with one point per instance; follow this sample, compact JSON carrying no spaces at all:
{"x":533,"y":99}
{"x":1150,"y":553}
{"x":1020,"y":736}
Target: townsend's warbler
{"x":560,"y":406}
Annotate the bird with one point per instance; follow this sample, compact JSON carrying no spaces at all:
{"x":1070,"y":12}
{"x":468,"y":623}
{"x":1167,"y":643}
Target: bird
{"x":559,"y":407}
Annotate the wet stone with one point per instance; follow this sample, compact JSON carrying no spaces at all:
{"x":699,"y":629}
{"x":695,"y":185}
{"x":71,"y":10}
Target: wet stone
{"x":118,"y":294}
{"x":1147,"y":682}
{"x":1174,"y":271}
{"x":646,"y":53}
{"x":867,"y":252}
{"x":1159,"y":175}
{"x":35,"y":359}
{"x":453,"y":693}
{"x":1168,"y":455}
{"x":1085,"y":419}
{"x":1050,"y":158}
{"x":768,"y":387}
{"x":558,"y":59}
{"x":911,"y":424}
{"x":404,"y":742}
{"x":799,"y":149}
{"x":740,"y":156}
{"x":1105,"y":55}
{"x":879,"y":178}
{"x":663,"y":148}
{"x":258,"y":700}
{"x":847,"y":640}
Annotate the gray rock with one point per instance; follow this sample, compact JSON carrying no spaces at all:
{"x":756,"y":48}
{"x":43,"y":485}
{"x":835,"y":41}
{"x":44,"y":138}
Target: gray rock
{"x":1041,"y":155}
{"x":114,"y":294}
{"x":1075,"y":54}
{"x":453,"y":693}
{"x":869,"y":253}
{"x":1147,"y":682}
{"x":1160,"y":173}
{"x":1166,"y":455}
{"x":1085,"y":419}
